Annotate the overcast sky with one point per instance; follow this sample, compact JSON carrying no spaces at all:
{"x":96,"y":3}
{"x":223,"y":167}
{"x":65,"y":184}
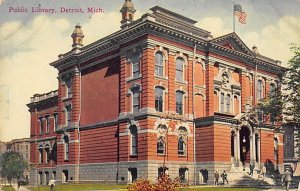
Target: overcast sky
{"x":30,"y":41}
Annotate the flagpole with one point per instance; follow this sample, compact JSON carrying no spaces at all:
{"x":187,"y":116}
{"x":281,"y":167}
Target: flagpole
{"x":233,"y":17}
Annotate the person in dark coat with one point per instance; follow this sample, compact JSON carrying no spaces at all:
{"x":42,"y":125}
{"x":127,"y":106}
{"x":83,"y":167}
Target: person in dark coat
{"x":224,"y":177}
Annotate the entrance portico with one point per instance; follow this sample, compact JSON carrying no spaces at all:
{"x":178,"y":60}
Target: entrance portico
{"x":245,"y":142}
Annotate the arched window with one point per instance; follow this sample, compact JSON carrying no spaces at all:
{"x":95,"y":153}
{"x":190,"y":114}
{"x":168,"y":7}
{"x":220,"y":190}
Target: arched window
{"x":259,"y":89}
{"x":182,"y":136}
{"x":135,"y":99}
{"x":133,"y":140}
{"x":179,"y":102}
{"x":159,"y":99}
{"x":228,"y":103}
{"x":272,"y":89}
{"x":66,"y":147}
{"x":135,"y":65}
{"x":41,"y":125}
{"x":161,"y":145}
{"x":41,"y":155}
{"x":159,"y":64}
{"x":179,"y":69}
{"x":222,"y":102}
{"x":68,"y":82}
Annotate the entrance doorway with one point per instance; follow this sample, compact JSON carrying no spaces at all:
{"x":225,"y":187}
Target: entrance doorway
{"x":245,"y":145}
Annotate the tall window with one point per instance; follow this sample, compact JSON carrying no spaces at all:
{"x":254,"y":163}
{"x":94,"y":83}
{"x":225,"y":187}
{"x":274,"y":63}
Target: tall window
{"x":69,"y":87}
{"x":228,"y":103}
{"x":66,"y":147}
{"x":133,"y":141}
{"x":272,"y":89}
{"x":179,"y":69}
{"x":259,"y":89}
{"x":47,"y":123}
{"x":68,"y":115}
{"x":159,"y":64}
{"x":135,"y":65}
{"x":41,"y":125}
{"x":41,"y":155}
{"x":159,"y":99}
{"x":161,"y":145}
{"x":222,"y":102}
{"x":182,"y":136}
{"x":179,"y":102}
{"x":183,"y":174}
{"x":135,"y":99}
{"x":47,"y":158}
{"x":132,"y":174}
{"x":55,"y":124}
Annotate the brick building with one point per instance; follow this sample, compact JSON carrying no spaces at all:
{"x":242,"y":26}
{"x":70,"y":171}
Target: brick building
{"x":158,"y":95}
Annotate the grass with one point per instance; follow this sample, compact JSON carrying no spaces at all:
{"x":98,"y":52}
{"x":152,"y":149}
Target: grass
{"x":79,"y":187}
{"x":8,"y":188}
{"x":220,"y":189}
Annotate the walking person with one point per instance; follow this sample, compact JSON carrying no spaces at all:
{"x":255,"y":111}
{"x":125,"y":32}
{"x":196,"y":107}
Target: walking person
{"x":287,"y":178}
{"x":217,"y":175}
{"x":224,"y":177}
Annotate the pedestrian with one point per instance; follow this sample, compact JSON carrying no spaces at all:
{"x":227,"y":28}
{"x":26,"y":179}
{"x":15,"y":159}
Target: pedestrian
{"x":287,"y":178}
{"x":19,"y":184}
{"x":224,"y":177}
{"x":217,"y":178}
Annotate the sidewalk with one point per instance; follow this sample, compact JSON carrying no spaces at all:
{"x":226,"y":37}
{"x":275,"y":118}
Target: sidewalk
{"x":22,"y":188}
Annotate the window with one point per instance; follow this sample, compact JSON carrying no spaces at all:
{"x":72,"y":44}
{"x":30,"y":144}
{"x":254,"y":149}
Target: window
{"x":55,"y":124}
{"x":66,"y":147}
{"x":183,"y":172}
{"x":47,"y":123}
{"x":161,"y":145}
{"x":135,"y":99}
{"x":68,"y":115}
{"x":47,"y":152}
{"x":159,"y":99}
{"x":161,"y":171}
{"x":69,"y":87}
{"x":135,"y":65}
{"x":181,"y":146}
{"x":132,"y":174}
{"x":41,"y":153}
{"x":179,"y":69}
{"x":133,"y":141}
{"x":41,"y":125}
{"x":179,"y":102}
{"x":259,"y":89}
{"x":228,"y":103}
{"x":222,"y":102}
{"x":182,"y":137}
{"x":159,"y":64}
{"x":272,"y":89}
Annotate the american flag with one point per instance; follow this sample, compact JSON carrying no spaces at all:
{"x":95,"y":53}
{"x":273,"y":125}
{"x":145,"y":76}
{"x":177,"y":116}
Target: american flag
{"x":238,"y":11}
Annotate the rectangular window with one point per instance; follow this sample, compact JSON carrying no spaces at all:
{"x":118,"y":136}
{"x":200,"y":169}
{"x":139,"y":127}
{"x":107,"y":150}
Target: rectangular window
{"x":47,"y":124}
{"x":55,"y":124}
{"x":136,"y":100}
{"x":179,"y":69}
{"x":222,"y":102}
{"x":179,"y":102}
{"x":68,"y":83}
{"x":41,"y":153}
{"x":228,"y":103}
{"x":66,"y":151}
{"x":159,"y":67}
{"x":41,"y":125}
{"x":159,"y":99}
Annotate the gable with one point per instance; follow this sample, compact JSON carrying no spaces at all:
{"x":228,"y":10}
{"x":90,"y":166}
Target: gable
{"x":233,"y":42}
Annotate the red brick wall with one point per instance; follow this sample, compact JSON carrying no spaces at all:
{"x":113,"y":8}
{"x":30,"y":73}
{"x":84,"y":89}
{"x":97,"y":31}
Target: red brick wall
{"x":100,"y":93}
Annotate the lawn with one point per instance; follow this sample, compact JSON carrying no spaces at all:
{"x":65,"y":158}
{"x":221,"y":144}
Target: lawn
{"x":79,"y":187}
{"x":8,"y":188}
{"x":220,"y":189}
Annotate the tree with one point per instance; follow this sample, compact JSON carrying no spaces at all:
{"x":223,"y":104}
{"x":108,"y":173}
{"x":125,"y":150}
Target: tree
{"x":13,"y":166}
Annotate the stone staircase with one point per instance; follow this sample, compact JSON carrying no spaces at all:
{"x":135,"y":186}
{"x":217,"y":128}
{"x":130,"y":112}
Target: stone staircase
{"x":238,"y":177}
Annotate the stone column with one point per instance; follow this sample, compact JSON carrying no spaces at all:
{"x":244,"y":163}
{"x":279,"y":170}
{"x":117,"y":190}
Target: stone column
{"x":238,"y":145}
{"x":254,"y":148}
{"x":251,"y":147}
{"x":258,"y":152}
{"x":235,"y":148}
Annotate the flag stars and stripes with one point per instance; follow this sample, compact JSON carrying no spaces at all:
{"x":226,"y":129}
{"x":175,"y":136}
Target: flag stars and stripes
{"x":238,"y":11}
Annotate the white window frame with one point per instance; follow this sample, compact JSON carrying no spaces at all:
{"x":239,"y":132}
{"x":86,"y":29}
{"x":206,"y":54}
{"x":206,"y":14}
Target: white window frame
{"x":181,"y":70}
{"x":158,"y":66}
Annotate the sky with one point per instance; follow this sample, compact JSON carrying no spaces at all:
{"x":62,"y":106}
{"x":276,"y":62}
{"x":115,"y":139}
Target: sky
{"x":29,"y":41}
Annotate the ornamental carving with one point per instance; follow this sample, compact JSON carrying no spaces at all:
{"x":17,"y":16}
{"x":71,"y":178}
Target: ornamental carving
{"x":225,"y":79}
